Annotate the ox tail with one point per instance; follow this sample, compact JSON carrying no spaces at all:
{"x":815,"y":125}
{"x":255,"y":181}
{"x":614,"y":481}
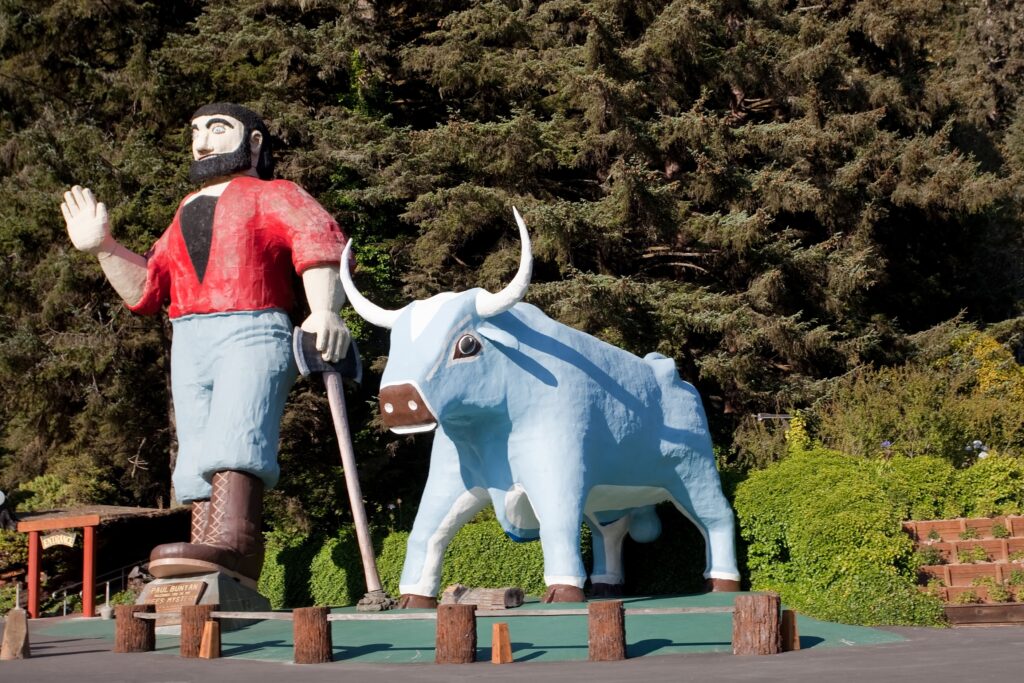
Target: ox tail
{"x":644,"y":524}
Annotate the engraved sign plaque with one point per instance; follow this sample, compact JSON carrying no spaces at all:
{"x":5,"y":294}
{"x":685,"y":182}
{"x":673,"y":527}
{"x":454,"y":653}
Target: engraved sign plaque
{"x":171,"y":597}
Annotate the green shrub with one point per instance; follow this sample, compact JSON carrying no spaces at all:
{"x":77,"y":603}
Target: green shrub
{"x":336,"y":573}
{"x":968,"y":534}
{"x":967,"y":598}
{"x":929,"y":555}
{"x":125,"y":597}
{"x":963,"y":385}
{"x":8,"y":594}
{"x":1016,"y":578}
{"x":285,"y":578}
{"x":823,"y":533}
{"x":993,"y":486}
{"x":918,"y":487}
{"x":1000,"y":531}
{"x":480,"y":555}
{"x":972,"y":555}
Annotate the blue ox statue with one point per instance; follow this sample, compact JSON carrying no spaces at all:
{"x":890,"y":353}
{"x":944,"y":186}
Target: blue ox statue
{"x":550,"y":425}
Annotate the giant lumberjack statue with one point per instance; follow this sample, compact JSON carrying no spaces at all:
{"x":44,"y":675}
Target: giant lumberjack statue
{"x":225,"y":267}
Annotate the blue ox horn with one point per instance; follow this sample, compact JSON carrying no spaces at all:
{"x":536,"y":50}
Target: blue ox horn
{"x":403,"y":408}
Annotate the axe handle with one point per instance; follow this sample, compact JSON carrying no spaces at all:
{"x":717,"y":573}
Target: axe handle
{"x":336,"y":397}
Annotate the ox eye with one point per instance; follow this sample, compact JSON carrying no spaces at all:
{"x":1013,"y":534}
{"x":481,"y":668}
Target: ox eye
{"x":467,"y":346}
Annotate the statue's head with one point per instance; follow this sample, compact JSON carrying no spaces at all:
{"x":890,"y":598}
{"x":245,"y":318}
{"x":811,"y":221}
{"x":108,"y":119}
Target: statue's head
{"x":228,"y":139}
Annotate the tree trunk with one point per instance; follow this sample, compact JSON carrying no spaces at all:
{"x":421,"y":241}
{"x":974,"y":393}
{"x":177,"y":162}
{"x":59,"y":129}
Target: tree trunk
{"x":756,"y":625}
{"x":606,"y":623}
{"x":312,"y":635}
{"x":456,"y":634}
{"x":193,"y":619}
{"x":131,"y":634}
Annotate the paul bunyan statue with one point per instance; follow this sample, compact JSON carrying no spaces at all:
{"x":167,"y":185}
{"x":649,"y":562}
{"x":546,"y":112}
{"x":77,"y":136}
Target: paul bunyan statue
{"x":224,"y":266}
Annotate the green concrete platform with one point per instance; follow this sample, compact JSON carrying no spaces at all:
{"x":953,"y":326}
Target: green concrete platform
{"x":544,"y":639}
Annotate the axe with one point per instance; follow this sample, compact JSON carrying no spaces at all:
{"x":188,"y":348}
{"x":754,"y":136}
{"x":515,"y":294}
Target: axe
{"x":311,"y":362}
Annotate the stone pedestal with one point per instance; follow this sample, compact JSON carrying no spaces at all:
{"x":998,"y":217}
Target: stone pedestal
{"x":169,"y":595}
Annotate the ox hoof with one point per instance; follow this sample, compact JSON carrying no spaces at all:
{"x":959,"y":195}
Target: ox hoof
{"x":560,"y":592}
{"x":411,"y":601}
{"x":722,"y":586}
{"x":605,"y":590}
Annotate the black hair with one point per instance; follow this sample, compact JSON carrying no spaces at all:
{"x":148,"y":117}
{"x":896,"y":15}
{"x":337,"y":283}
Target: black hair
{"x":250,"y":121}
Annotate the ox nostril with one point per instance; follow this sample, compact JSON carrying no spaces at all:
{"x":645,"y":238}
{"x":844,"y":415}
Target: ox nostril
{"x":388,"y":408}
{"x":413,"y":405}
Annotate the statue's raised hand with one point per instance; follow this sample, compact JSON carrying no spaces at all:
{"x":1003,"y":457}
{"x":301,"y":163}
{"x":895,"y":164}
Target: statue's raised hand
{"x":87,"y":221}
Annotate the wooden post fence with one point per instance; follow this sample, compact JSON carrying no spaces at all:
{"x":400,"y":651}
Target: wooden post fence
{"x":312,"y":635}
{"x":756,"y":624}
{"x":193,"y":620}
{"x":131,"y":634}
{"x":456,"y":634}
{"x":606,"y":625}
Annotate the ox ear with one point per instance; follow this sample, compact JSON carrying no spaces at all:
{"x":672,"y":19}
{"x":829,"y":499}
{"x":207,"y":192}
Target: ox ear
{"x":498,"y":336}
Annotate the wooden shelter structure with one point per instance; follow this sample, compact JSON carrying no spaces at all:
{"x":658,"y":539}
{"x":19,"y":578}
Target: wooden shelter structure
{"x":88,"y":519}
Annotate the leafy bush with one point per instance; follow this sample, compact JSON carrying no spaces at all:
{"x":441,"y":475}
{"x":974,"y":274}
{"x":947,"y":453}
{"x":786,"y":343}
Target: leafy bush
{"x":336,"y":573}
{"x":481,"y":555}
{"x":963,"y":385}
{"x":917,"y":487}
{"x":8,"y":594}
{"x":992,"y":486}
{"x":823,"y":533}
{"x":967,"y":598}
{"x":929,"y":555}
{"x":285,"y":578}
{"x":972,"y":555}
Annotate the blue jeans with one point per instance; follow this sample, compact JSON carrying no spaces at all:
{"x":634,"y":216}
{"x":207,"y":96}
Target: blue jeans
{"x":230,"y":377}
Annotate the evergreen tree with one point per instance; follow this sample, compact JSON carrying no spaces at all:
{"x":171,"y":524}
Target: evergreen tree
{"x":772,"y":192}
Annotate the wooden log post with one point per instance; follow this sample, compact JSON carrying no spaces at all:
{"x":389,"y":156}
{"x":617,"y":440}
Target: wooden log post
{"x":15,"y":643}
{"x":456,"y":634}
{"x":209,"y":648}
{"x":790,"y":632}
{"x":312,"y":635}
{"x":606,"y":623}
{"x":756,"y":624}
{"x":501,"y":644}
{"x":131,"y":634}
{"x":193,"y":620}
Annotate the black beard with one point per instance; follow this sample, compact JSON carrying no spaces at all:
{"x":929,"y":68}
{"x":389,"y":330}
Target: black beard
{"x":220,"y":165}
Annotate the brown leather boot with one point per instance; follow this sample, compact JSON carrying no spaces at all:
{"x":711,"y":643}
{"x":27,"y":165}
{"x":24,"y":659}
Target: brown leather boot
{"x":200,"y":517}
{"x":232,"y":542}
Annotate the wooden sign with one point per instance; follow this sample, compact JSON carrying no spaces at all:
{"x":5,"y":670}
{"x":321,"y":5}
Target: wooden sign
{"x":60,"y":537}
{"x":168,"y":597}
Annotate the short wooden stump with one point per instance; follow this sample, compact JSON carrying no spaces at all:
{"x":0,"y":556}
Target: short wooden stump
{"x":756,"y":624}
{"x":131,"y":634}
{"x":456,"y":634}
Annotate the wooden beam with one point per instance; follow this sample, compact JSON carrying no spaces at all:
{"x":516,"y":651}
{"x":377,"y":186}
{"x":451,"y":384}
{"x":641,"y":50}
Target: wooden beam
{"x":52,"y":523}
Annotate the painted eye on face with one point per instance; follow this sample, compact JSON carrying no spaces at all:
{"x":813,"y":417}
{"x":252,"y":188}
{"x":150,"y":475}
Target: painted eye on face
{"x":467,"y":346}
{"x":219,"y":128}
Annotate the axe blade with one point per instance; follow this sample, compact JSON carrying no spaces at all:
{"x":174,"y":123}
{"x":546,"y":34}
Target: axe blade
{"x":310,"y":362}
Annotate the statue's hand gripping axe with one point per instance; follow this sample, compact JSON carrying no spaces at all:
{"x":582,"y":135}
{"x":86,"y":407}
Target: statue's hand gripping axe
{"x":310,"y":362}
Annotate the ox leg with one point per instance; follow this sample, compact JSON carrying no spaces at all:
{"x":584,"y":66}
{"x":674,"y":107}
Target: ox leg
{"x":711,"y":514}
{"x":560,"y":517}
{"x":445,"y":507}
{"x":607,"y":578}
